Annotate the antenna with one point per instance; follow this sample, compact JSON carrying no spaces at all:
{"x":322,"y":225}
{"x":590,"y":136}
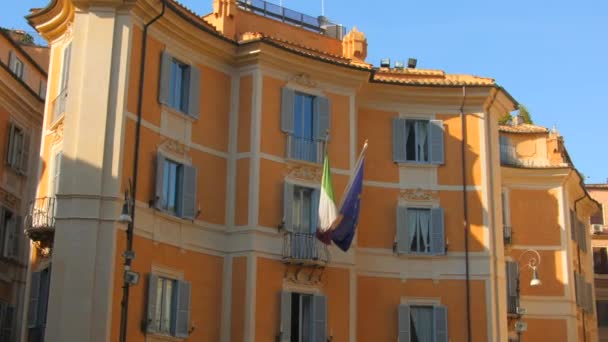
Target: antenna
{"x":323,"y":7}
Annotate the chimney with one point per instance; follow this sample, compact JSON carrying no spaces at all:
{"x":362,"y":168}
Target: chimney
{"x":354,"y":46}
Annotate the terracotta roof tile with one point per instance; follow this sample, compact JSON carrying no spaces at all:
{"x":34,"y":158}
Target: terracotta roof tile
{"x":597,"y":186}
{"x":523,"y":128}
{"x":429,"y":77}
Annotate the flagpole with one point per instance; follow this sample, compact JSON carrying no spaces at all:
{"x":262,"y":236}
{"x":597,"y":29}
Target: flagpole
{"x":352,"y":175}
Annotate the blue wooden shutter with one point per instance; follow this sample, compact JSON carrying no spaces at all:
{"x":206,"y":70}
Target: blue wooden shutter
{"x":32,"y":314}
{"x":403,"y":240}
{"x":285,"y":325}
{"x":181,"y":317}
{"x":11,"y":145}
{"x":321,"y":119}
{"x":151,"y":323}
{"x":188,"y":196}
{"x":314,"y":210}
{"x":436,"y":153}
{"x":25,"y":154}
{"x":164,"y":83}
{"x":437,"y":231}
{"x":288,"y":189}
{"x":160,"y":178}
{"x":319,"y":318}
{"x":440,"y":317}
{"x":404,"y":323}
{"x":194,"y":92}
{"x":287,"y":103}
{"x":399,"y":140}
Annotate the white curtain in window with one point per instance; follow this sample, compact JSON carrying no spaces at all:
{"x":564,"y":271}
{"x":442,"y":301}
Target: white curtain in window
{"x":423,"y":323}
{"x":412,"y":223}
{"x":423,"y":226}
{"x":421,"y":130}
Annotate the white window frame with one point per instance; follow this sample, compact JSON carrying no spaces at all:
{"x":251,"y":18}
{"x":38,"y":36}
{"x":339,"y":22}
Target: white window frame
{"x":17,"y":67}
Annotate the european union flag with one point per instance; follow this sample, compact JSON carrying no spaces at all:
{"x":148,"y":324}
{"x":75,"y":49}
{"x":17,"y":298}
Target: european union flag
{"x":344,"y":232}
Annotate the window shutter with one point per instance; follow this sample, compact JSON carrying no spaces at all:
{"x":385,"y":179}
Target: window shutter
{"x":589,"y":297}
{"x":9,"y":236}
{"x":23,"y":71}
{"x":437,"y":231}
{"x":404,"y":323}
{"x":8,"y":324}
{"x":403,"y":245}
{"x":16,"y":240}
{"x":188,"y":198}
{"x":164,"y":83}
{"x":314,"y":210}
{"x":182,"y":309}
{"x":11,"y":61}
{"x":160,"y":178}
{"x":440,"y":316}
{"x":572,"y":225}
{"x":3,"y":229}
{"x":582,"y":236}
{"x":287,"y":103}
{"x":45,"y":284}
{"x":67,"y":56}
{"x":151,"y":323}
{"x":288,"y":206}
{"x":25,"y":154}
{"x":285,"y":327}
{"x":32,"y":315}
{"x":399,"y":140}
{"x":11,"y":145}
{"x":512,"y":285}
{"x":194,"y":92}
{"x":436,"y":154}
{"x":319,"y":326}
{"x":321,"y":118}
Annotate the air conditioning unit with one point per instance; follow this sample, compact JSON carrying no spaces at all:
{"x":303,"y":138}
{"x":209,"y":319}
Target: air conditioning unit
{"x":521,"y":326}
{"x":597,"y":228}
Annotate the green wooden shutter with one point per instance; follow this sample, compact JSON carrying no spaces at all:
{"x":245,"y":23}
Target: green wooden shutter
{"x":287,"y":103}
{"x":440,"y":323}
{"x":194,"y":92}
{"x":404,"y":323}
{"x":160,"y":178}
{"x":437,"y":231}
{"x":403,"y":240}
{"x":285,"y":324}
{"x":25,"y":154}
{"x":399,"y":139}
{"x":288,"y":189}
{"x":151,"y":322}
{"x":32,"y":315}
{"x":10,"y":152}
{"x":319,"y":318}
{"x":436,"y":145}
{"x":187,"y":205}
{"x":181,"y":317}
{"x":164,"y":82}
{"x":321,"y":119}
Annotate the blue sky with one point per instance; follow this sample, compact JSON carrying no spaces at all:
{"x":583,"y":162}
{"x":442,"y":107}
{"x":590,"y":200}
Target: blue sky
{"x":551,"y":55}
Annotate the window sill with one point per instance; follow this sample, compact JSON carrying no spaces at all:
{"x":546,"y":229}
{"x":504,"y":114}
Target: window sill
{"x":55,"y":123}
{"x":419,"y":255}
{"x":417,"y":164}
{"x":303,"y":162}
{"x":158,"y":337}
{"x":171,"y":216}
{"x":176,"y":112}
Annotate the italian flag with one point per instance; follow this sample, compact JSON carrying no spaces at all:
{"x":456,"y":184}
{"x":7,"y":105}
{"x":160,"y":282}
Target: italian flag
{"x":328,"y":213}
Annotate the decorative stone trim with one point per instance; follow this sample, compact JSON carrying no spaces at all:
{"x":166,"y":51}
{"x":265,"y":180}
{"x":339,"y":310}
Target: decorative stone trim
{"x":418,"y":195}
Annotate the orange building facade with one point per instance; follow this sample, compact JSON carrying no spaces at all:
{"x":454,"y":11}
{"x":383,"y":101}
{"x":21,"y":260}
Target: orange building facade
{"x":23,"y":72}
{"x":599,"y":243}
{"x":232,"y":116}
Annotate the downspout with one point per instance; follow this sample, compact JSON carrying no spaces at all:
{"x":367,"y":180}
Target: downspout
{"x":130,"y":227}
{"x":465,"y":211}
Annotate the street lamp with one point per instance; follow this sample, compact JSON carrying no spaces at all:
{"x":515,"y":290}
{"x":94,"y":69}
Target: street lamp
{"x":532,"y":263}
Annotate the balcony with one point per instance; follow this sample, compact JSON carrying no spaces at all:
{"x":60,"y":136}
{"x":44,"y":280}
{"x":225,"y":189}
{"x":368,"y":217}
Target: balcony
{"x":40,"y":221}
{"x":59,"y":104}
{"x":304,"y":249}
{"x":272,"y":11}
{"x":310,"y":150}
{"x":508,"y":155}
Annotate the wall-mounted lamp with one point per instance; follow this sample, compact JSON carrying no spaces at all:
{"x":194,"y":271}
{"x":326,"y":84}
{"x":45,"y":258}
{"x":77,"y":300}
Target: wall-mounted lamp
{"x":533,"y":262}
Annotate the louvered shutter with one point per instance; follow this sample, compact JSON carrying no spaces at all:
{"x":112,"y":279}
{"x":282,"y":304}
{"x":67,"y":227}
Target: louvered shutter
{"x":288,"y":190}
{"x":32,"y":315}
{"x":3,"y":230}
{"x":194,"y":92}
{"x":573,"y":233}
{"x":16,"y":239}
{"x":285,"y":325}
{"x":403,"y":239}
{"x":436,"y":145}
{"x":321,"y":119}
{"x":314,"y":210}
{"x":404,"y":323}
{"x":182,"y":309}
{"x":9,"y":236}
{"x":11,"y":61}
{"x":188,"y":195}
{"x":164,"y":82}
{"x":151,"y":323}
{"x":160,"y":178}
{"x":512,"y":286}
{"x":399,"y":140}
{"x":10,"y":153}
{"x":45,"y":286}
{"x":437,"y":231}
{"x":67,"y":57}
{"x":582,"y":236}
{"x":7,"y":324}
{"x":287,"y":108}
{"x":319,"y":317}
{"x":440,"y":318}
{"x":25,"y":154}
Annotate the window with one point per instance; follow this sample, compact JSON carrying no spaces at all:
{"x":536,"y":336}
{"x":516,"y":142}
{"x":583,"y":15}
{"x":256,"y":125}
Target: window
{"x":305,"y":118}
{"x":301,"y":207}
{"x":602,"y":313}
{"x":420,"y":231}
{"x":42,"y":90}
{"x":512,"y":273}
{"x":418,"y":141}
{"x":16,"y":65}
{"x":423,"y":323}
{"x":7,"y":322}
{"x":56,"y":173}
{"x":10,"y":225}
{"x":65,"y":68}
{"x":38,"y":304}
{"x":17,"y":156}
{"x":175,"y":188}
{"x":303,"y":317}
{"x":168,"y":306}
{"x":179,"y":85}
{"x":600,"y":260}
{"x":598,"y":218}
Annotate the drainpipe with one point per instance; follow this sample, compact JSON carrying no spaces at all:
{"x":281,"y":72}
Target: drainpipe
{"x":465,"y":211}
{"x":127,"y":263}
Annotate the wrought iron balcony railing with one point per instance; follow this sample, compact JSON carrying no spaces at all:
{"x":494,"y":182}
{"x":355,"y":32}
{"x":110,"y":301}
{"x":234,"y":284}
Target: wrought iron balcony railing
{"x":508,"y":155}
{"x":40,"y":220}
{"x":304,"y":248}
{"x":59,"y":104}
{"x":512,"y":305}
{"x":310,"y":150}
